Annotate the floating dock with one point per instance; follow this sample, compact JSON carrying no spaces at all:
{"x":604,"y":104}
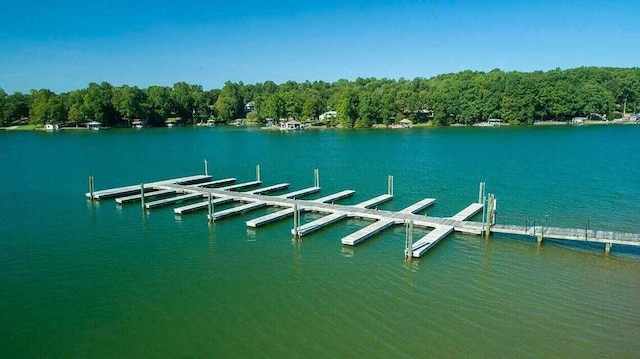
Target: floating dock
{"x":128,"y":190}
{"x":198,"y":187}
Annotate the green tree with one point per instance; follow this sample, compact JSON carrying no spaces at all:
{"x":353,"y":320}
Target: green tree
{"x":16,"y":106}
{"x":229,"y":104}
{"x":97,"y":103}
{"x":46,"y":107}
{"x":129,"y":102}
{"x":347,"y":108}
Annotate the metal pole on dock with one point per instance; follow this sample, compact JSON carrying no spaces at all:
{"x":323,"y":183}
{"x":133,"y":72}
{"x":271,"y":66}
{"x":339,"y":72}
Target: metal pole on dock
{"x":408,"y":251}
{"x":487,"y":227}
{"x":142,"y":196}
{"x":91,"y":188}
{"x":296,"y":221}
{"x":316,"y":178}
{"x":390,"y":186}
{"x":206,"y":168}
{"x":481,"y":193}
{"x":258,"y":173}
{"x":484,"y":211}
{"x":210,"y":215}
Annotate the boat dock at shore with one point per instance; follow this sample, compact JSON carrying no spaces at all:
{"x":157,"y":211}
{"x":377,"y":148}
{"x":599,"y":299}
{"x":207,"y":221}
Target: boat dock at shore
{"x":199,"y":187}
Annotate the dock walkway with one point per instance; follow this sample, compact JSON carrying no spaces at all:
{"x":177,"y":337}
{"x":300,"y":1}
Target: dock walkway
{"x":382,"y":219}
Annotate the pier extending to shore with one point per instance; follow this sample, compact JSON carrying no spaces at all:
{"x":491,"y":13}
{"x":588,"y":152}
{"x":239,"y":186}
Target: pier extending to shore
{"x":191,"y":188}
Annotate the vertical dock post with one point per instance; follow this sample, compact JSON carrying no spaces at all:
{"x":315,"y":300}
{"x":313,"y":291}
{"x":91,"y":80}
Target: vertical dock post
{"x":258,"y":173}
{"x":142,"y":196}
{"x":481,"y":193}
{"x":607,"y":247}
{"x":210,"y":215}
{"x":316,"y":178}
{"x":489,"y":215}
{"x":206,"y":168}
{"x":408,"y":250}
{"x":91,"y":188}
{"x":296,"y":221}
{"x":390,"y":186}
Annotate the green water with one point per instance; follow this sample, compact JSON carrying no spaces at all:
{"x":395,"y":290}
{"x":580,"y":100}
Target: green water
{"x":99,"y":280}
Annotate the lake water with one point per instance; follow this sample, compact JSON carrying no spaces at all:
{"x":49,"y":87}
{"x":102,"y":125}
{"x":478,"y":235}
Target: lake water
{"x":99,"y":280}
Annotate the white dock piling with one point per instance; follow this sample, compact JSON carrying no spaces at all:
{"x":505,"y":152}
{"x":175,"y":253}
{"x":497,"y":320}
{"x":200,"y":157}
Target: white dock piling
{"x":210,"y":215}
{"x":206,"y":168}
{"x":481,"y":192}
{"x":91,"y":187}
{"x":390,"y":186}
{"x":316,"y":178}
{"x":142,"y":196}
{"x":258,"y":173}
{"x":296,"y":221}
{"x":408,"y":249}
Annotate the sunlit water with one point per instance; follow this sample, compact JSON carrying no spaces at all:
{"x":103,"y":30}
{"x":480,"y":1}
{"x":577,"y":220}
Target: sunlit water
{"x":100,"y":280}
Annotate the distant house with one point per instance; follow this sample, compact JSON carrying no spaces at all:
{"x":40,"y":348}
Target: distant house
{"x":578,"y":121}
{"x":138,"y":123}
{"x":250,"y":106}
{"x":291,"y":125}
{"x":327,"y":115}
{"x":93,"y":125}
{"x":405,"y":123}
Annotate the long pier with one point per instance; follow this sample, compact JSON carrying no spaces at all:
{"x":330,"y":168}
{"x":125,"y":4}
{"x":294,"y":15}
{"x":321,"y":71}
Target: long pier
{"x":198,"y":187}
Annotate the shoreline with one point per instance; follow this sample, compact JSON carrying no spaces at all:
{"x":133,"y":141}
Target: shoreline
{"x":375,"y":126}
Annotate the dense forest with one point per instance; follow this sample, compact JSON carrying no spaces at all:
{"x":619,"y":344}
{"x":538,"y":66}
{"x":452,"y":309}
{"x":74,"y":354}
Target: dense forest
{"x":463,"y":98}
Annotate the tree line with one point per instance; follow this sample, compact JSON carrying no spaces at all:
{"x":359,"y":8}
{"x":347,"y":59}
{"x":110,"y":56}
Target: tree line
{"x":463,"y":98}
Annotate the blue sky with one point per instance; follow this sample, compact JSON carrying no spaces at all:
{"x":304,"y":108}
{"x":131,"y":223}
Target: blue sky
{"x":63,"y":45}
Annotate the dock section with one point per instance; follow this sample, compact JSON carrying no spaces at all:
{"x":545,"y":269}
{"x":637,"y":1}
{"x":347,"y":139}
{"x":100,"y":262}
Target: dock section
{"x":468,"y":212}
{"x":237,"y":210}
{"x":147,"y":195}
{"x":275,"y":187}
{"x":216,"y":182}
{"x":241,"y":185}
{"x":272,"y":217}
{"x":431,"y":239}
{"x":200,"y":205}
{"x":441,"y":227}
{"x":374,"y":201}
{"x":129,"y":190}
{"x":318,"y":223}
{"x":419,"y":206}
{"x":172,"y":200}
{"x":366,"y":232}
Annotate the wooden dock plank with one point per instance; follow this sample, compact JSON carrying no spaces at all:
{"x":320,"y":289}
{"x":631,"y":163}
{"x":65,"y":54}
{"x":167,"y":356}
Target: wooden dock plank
{"x":167,"y":201}
{"x":133,"y":189}
{"x":138,"y":197}
{"x":431,"y":239}
{"x":419,"y":206}
{"x":200,"y":205}
{"x":468,"y":212}
{"x":366,"y":232}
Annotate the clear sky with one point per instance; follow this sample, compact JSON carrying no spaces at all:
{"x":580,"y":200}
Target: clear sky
{"x":63,"y":45}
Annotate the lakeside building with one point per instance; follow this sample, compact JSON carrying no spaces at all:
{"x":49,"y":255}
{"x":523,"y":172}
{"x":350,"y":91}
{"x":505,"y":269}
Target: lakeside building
{"x":327,"y":115}
{"x":94,"y":125}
